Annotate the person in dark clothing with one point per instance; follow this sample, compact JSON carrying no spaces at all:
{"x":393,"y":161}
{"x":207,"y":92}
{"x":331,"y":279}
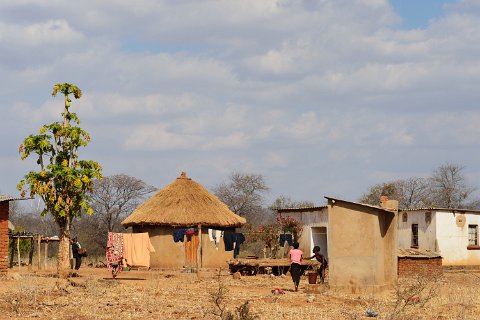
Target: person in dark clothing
{"x":322,"y":262}
{"x":295,"y":256}
{"x":239,"y":239}
{"x":76,"y":252}
{"x":229,"y":239}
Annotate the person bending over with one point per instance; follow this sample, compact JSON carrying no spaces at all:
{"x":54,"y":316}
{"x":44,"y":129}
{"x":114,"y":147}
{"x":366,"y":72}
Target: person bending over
{"x":322,"y":262}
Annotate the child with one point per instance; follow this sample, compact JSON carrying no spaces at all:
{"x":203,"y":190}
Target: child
{"x":321,"y":259}
{"x":296,"y":255}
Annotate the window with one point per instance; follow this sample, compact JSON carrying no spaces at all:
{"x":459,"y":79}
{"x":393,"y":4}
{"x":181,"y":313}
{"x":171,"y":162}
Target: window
{"x":473,"y":235}
{"x":414,"y":235}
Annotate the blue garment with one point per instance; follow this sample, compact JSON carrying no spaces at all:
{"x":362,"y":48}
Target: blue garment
{"x":239,"y":239}
{"x":286,"y":237}
{"x":178,"y":235}
{"x":228,"y":240}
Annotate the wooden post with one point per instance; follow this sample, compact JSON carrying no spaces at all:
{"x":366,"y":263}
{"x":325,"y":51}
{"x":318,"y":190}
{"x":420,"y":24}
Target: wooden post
{"x":18,"y":253}
{"x":12,"y":252}
{"x":199,"y":252}
{"x":39,"y":250}
{"x":30,"y":254}
{"x":46,"y":255}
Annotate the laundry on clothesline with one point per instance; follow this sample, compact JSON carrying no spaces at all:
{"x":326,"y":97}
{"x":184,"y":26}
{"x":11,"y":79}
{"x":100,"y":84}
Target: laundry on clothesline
{"x":132,"y":249}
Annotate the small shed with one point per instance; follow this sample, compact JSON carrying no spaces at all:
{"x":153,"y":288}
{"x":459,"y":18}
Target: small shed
{"x":185,"y":205}
{"x":362,"y":245}
{"x":4,"y":227}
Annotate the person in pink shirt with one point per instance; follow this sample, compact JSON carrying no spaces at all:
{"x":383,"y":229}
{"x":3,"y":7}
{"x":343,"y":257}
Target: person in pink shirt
{"x":296,"y":256}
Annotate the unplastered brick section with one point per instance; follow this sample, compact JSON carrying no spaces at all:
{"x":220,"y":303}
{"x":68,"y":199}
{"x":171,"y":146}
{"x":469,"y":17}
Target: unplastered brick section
{"x":3,"y":236}
{"x":408,"y":267}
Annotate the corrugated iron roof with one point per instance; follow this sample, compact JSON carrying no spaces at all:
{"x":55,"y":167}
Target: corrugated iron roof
{"x":6,"y":197}
{"x":300,"y":208}
{"x":441,"y":209}
{"x":361,"y":204}
{"x":417,"y":253}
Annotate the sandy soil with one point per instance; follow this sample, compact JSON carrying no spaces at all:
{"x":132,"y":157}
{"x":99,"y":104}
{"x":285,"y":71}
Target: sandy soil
{"x":175,"y":295}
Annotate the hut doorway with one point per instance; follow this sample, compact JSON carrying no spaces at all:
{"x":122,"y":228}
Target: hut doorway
{"x":319,"y":238}
{"x":191,"y":249}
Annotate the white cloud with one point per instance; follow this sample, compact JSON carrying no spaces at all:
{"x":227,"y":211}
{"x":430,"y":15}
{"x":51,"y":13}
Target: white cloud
{"x":234,"y":140}
{"x":246,"y":84}
{"x":44,"y":33}
{"x":277,"y":159}
{"x":158,"y":137}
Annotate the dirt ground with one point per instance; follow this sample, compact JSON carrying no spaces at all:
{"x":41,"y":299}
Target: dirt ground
{"x":176,"y":295}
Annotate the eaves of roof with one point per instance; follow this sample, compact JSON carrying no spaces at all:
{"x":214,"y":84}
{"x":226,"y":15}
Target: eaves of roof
{"x":6,"y":197}
{"x":441,"y":209}
{"x":300,"y":209}
{"x":361,"y":204}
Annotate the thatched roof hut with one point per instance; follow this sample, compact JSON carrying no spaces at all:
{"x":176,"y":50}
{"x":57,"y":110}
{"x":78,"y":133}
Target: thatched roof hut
{"x":184,"y":203}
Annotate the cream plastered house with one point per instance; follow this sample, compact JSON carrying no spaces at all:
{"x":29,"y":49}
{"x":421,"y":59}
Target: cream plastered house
{"x":453,"y":233}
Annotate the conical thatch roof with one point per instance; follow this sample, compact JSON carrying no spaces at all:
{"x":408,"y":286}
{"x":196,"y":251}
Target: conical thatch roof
{"x":184,"y":202}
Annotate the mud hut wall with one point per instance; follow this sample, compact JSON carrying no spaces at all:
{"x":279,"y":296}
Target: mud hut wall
{"x":360,"y":247}
{"x":4,"y":207}
{"x":214,"y":257}
{"x":168,"y":253}
{"x":388,"y":235}
{"x":310,"y":219}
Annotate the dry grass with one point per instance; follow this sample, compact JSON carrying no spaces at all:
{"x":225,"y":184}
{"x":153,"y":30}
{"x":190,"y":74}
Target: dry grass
{"x":176,"y":295}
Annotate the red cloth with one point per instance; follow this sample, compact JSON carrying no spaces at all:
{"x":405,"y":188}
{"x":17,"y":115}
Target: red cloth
{"x":114,"y":252}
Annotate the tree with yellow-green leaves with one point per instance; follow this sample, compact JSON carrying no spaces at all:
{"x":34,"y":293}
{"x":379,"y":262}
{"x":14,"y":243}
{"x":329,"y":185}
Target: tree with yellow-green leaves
{"x":63,"y":181}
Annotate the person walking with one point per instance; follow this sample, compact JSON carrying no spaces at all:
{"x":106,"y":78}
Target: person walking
{"x":76,"y":252}
{"x":295,"y":256}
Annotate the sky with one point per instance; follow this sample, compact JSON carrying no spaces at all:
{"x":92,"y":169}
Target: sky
{"x":321,"y":97}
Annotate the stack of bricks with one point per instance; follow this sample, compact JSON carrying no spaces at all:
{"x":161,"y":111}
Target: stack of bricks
{"x":410,"y":267}
{"x":3,"y":236}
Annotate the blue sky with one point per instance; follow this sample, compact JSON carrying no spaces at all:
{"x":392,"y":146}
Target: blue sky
{"x":417,"y":13}
{"x":323,"y":98}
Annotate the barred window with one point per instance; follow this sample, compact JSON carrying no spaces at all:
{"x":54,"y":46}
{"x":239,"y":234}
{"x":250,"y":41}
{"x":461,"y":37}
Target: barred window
{"x":473,"y":235}
{"x":414,"y":235}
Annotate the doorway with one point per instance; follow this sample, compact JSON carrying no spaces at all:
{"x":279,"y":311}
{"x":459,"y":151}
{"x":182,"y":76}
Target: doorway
{"x":319,"y":238}
{"x":191,"y":249}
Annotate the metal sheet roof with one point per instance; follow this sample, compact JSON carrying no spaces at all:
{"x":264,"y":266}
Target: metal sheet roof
{"x":6,"y":197}
{"x":300,"y":209}
{"x":361,"y":204}
{"x":441,"y":209}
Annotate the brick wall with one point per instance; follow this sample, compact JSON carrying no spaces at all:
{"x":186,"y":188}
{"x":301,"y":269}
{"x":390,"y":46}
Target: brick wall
{"x":408,"y":267}
{"x":3,"y":236}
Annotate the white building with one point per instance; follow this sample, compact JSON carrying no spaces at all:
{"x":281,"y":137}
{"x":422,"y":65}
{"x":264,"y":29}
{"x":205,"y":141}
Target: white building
{"x":454,"y":233}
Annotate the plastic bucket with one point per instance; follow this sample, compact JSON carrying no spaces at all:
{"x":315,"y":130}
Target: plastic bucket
{"x":312,"y":277}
